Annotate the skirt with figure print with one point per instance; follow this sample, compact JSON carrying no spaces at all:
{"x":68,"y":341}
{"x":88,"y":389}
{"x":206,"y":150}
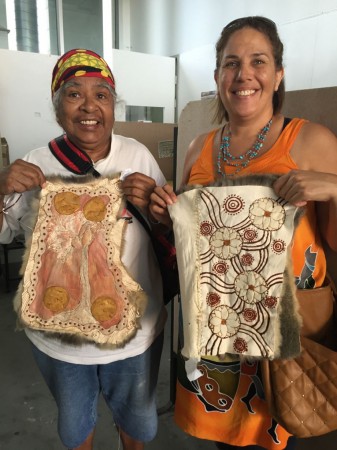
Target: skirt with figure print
{"x":226,"y":405}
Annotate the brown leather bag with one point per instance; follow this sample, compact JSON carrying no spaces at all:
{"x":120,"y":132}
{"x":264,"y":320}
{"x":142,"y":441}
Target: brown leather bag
{"x":302,"y":392}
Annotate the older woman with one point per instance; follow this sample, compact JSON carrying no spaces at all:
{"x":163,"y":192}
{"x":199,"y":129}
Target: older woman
{"x":83,"y":91}
{"x":256,"y":138}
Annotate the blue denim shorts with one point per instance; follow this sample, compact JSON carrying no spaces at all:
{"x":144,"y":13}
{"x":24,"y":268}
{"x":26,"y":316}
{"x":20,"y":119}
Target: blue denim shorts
{"x":128,"y":387}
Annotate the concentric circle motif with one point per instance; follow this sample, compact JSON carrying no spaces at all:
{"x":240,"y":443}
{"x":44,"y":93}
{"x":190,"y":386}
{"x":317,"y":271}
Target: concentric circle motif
{"x":270,"y":302}
{"x":240,"y":345}
{"x":247,"y":259}
{"x":249,"y":314}
{"x":213,"y":299}
{"x":220,"y":267}
{"x":250,"y":235}
{"x":206,"y":228}
{"x":278,"y":246}
{"x":233,"y":204}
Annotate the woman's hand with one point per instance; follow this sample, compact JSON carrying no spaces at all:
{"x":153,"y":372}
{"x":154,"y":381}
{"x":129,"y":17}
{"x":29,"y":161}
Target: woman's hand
{"x":160,"y":199}
{"x":301,"y":186}
{"x":20,"y":176}
{"x":138,"y":188}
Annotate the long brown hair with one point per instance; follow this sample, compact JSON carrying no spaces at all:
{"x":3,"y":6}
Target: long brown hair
{"x":269,"y":29}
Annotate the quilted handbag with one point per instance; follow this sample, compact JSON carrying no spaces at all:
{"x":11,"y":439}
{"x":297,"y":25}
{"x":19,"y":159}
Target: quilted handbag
{"x":302,"y":392}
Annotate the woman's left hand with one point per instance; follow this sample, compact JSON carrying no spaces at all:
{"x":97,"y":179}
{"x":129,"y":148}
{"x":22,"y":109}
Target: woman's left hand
{"x":301,"y":186}
{"x":138,"y":188}
{"x":160,"y":199}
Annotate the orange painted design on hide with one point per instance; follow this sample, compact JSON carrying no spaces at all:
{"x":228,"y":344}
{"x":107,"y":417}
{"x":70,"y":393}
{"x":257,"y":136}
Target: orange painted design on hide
{"x":74,"y":281}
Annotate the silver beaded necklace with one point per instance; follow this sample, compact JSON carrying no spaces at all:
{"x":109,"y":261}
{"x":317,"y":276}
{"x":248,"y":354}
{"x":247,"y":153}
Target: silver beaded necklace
{"x":242,"y":161}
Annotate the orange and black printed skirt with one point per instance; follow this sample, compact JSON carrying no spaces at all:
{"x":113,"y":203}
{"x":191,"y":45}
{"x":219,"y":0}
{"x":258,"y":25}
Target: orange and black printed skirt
{"x":226,"y":405}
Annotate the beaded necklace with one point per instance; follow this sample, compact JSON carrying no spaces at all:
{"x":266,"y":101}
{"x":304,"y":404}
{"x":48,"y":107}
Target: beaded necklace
{"x":242,"y":161}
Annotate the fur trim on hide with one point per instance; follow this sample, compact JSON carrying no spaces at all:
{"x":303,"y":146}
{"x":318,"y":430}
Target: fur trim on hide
{"x":136,"y":297}
{"x":290,"y":321}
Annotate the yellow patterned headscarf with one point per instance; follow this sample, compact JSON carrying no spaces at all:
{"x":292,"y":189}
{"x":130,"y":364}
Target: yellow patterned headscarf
{"x":80,"y":63}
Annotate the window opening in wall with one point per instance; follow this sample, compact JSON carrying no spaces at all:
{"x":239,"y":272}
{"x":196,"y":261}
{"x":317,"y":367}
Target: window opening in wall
{"x":144,"y":114}
{"x":31,"y":29}
{"x":54,"y":26}
{"x":83,"y":25}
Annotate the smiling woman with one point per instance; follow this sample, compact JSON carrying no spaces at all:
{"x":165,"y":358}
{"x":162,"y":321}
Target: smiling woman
{"x":95,"y":270}
{"x":83,"y":91}
{"x":224,"y":401}
{"x":270,"y":54}
{"x":86,"y":113}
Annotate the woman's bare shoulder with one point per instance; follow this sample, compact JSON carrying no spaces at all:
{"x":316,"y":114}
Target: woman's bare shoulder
{"x":192,"y":154}
{"x":316,"y":148}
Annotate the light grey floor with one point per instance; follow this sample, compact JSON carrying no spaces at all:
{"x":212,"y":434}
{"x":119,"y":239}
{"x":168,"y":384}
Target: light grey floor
{"x":28,"y":413}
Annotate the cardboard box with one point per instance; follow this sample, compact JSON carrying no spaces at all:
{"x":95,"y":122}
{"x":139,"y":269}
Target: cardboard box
{"x":157,"y":137}
{"x":4,"y":153}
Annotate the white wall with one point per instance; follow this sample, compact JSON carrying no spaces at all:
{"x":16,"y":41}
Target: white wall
{"x":145,"y":80}
{"x":153,"y":26}
{"x":307,"y":28}
{"x":195,"y":74}
{"x":188,"y":28}
{"x":171,"y":27}
{"x":310,"y":49}
{"x":26,"y":114}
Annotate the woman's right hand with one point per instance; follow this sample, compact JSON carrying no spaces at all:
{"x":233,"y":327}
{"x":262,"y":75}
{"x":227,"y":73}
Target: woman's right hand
{"x":159,"y":200}
{"x":20,"y":176}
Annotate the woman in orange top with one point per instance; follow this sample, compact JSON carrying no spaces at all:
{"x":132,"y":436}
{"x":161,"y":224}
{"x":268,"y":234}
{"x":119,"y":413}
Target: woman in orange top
{"x":256,"y":139}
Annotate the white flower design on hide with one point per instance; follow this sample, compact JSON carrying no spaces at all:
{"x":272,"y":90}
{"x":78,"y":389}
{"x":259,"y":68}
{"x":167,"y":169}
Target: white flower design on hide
{"x":225,"y":243}
{"x":267,"y":214}
{"x":251,"y":287}
{"x":224,"y":321}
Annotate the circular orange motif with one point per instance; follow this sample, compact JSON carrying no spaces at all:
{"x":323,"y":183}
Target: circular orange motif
{"x":95,"y":209}
{"x":104,"y":308}
{"x":56,"y":298}
{"x":66,"y":203}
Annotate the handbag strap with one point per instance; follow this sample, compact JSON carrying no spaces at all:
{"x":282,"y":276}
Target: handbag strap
{"x":137,"y":214}
{"x":71,"y":157}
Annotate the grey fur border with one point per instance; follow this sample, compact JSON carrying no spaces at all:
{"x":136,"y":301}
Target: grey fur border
{"x":137,"y":298}
{"x":290,"y":318}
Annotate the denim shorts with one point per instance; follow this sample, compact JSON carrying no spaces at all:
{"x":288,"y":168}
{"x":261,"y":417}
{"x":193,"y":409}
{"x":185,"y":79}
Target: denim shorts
{"x":128,"y":387}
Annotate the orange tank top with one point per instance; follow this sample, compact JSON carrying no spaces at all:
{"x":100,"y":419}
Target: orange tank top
{"x":308,"y":256}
